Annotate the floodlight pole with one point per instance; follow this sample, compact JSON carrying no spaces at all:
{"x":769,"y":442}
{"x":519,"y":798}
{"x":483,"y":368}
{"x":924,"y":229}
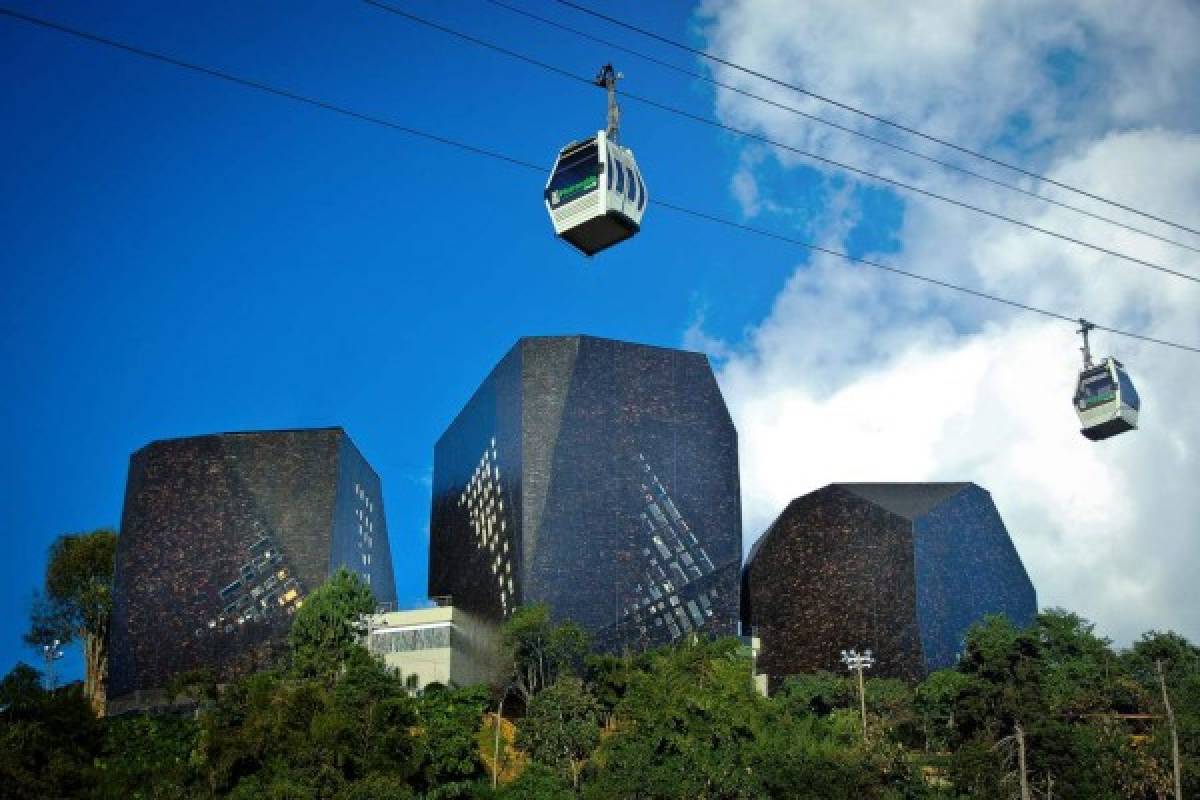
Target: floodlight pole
{"x":857,"y":662}
{"x":51,"y":653}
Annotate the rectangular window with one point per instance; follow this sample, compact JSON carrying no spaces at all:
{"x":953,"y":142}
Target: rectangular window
{"x":662,"y":548}
{"x":697,"y":617}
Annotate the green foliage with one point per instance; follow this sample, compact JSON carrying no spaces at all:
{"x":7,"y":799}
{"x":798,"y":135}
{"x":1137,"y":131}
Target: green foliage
{"x":538,"y":782}
{"x":936,"y":704}
{"x":47,"y":738}
{"x":678,"y":722}
{"x":76,"y":603}
{"x":561,"y":727}
{"x":449,"y":721}
{"x":1181,"y":669}
{"x":687,"y":724}
{"x":539,"y":651}
{"x":817,"y":693}
{"x":145,"y":756}
{"x":290,"y":736}
{"x":328,"y":627}
{"x":79,"y":582}
{"x":376,"y":787}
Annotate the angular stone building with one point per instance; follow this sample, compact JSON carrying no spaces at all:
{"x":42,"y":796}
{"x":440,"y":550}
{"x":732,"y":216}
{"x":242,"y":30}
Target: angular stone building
{"x":598,"y":477}
{"x":222,"y":536}
{"x":901,"y":568}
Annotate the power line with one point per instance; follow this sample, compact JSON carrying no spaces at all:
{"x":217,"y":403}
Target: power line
{"x":781,"y":145}
{"x":483,"y":151}
{"x":252,"y":84}
{"x":837,"y":126}
{"x":873,"y":117}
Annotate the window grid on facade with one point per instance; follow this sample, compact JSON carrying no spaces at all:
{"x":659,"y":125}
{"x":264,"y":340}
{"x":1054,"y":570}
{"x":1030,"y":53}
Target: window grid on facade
{"x":263,"y":590}
{"x":672,"y":560}
{"x":364,"y":512}
{"x":483,"y":499}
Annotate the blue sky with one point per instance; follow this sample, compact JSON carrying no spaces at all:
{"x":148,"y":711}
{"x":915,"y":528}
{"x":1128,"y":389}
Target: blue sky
{"x":186,"y":256}
{"x":183,"y":256}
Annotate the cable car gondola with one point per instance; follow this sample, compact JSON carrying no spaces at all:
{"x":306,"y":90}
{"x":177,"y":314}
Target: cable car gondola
{"x":595,"y":195}
{"x":1105,"y":400}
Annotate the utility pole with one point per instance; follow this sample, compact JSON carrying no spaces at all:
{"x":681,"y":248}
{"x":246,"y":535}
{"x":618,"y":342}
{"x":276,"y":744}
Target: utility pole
{"x":857,"y":662}
{"x":496,"y":745}
{"x":1162,"y":682}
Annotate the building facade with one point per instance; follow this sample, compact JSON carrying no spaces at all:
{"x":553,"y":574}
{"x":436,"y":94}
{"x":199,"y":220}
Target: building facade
{"x":441,"y":644}
{"x":222,"y":536}
{"x":902,"y":569}
{"x":598,"y":477}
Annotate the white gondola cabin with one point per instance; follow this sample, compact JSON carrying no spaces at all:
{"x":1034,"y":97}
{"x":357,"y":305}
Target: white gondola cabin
{"x":1105,"y":400}
{"x":595,"y":195}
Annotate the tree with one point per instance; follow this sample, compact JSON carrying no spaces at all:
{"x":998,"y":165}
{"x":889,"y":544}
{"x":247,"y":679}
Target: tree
{"x":1180,"y":662}
{"x":76,"y":603}
{"x":48,"y":739}
{"x":540,"y":651}
{"x":937,"y":703}
{"x":147,"y":756}
{"x":538,"y":782}
{"x":329,"y":626}
{"x":449,"y":721}
{"x":561,"y":727}
{"x":686,"y":728}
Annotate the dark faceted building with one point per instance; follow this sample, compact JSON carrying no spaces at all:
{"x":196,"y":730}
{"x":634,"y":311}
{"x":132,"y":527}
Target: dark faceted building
{"x":598,"y":477}
{"x":222,"y":537}
{"x":901,"y":568}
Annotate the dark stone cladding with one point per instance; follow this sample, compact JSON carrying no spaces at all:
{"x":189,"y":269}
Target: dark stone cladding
{"x":217,"y":532}
{"x":902,"y":569}
{"x":602,"y":477}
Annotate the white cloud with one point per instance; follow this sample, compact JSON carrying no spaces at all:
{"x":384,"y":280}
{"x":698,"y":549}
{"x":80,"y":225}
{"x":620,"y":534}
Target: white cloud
{"x":858,"y":375}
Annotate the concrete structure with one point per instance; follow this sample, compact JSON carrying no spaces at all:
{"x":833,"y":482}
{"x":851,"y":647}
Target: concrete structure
{"x":598,"y":477}
{"x":222,"y":536}
{"x":902,"y":568}
{"x":437,"y":645}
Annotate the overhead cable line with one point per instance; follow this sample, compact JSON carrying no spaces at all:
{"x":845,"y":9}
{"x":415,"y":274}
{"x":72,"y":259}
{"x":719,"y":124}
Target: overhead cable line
{"x":483,"y":151}
{"x":775,"y":143}
{"x":874,"y":117}
{"x":1012,"y":187}
{"x":249,"y":83}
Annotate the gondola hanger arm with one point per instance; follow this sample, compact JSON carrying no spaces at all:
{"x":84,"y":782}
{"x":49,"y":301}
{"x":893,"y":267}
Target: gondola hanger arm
{"x":607,"y":80}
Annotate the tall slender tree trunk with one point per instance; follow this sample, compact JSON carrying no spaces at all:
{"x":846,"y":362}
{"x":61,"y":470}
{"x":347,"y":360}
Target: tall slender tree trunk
{"x":95,"y":671}
{"x":1162,"y":682}
{"x":1021,"y":762}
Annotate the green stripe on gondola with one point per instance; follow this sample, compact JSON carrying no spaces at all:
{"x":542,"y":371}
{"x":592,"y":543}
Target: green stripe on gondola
{"x":1100,"y":399}
{"x":568,"y":192}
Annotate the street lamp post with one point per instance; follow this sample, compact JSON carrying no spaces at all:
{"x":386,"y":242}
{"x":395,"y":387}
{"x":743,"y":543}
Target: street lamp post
{"x":857,"y":662}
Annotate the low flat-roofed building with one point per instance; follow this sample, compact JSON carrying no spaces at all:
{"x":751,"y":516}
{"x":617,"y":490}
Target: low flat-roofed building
{"x":441,"y":644}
